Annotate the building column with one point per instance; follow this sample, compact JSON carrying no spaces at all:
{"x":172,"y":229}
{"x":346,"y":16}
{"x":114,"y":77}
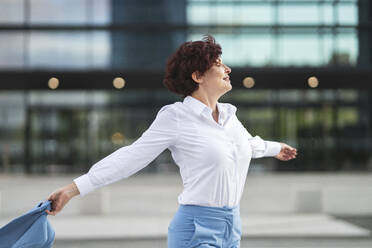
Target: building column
{"x":365,"y":33}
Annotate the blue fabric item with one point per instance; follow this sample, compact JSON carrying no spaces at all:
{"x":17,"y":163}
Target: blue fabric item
{"x":202,"y":227}
{"x":31,"y":230}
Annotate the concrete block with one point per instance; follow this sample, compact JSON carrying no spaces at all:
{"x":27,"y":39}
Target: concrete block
{"x":95,"y":203}
{"x":308,"y":198}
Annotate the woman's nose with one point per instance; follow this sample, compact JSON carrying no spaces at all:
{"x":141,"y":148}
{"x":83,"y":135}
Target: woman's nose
{"x":227,"y":69}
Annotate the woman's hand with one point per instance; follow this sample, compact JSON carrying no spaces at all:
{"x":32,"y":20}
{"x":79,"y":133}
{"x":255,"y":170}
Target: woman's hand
{"x":286,"y":153}
{"x":61,"y":196}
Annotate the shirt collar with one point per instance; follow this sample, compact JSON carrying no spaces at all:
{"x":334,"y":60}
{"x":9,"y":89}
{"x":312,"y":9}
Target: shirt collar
{"x":198,"y":107}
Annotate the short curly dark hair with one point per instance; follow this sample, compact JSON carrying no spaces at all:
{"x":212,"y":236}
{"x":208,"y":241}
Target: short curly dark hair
{"x":192,"y":56}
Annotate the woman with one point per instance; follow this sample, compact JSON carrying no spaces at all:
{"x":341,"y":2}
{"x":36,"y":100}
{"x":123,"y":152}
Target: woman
{"x":209,"y":144}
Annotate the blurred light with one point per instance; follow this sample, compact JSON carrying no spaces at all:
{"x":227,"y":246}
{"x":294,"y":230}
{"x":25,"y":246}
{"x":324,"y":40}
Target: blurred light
{"x":118,"y":82}
{"x":313,"y":82}
{"x":248,"y":82}
{"x":53,"y":83}
{"x":117,"y":138}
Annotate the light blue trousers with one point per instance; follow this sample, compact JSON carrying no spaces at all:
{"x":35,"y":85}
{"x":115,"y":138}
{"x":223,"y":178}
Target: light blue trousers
{"x":202,"y":227}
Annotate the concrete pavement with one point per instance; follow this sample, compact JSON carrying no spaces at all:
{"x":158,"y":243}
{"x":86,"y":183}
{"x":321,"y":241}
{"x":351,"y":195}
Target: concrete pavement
{"x":142,"y":206}
{"x":245,"y":243}
{"x":98,"y":227}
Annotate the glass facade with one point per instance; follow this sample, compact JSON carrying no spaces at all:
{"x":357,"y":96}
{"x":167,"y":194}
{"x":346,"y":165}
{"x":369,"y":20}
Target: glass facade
{"x":252,"y":33}
{"x":50,"y":46}
{"x":280,"y":33}
{"x":46,"y":131}
{"x":330,"y":128}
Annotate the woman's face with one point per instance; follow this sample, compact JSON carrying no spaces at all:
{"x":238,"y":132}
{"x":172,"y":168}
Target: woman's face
{"x":217,"y":79}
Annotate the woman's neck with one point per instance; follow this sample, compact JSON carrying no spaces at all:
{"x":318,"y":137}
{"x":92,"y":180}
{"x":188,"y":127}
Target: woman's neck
{"x":211,"y":102}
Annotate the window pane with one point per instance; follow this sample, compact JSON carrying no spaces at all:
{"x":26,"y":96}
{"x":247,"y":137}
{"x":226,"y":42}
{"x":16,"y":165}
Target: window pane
{"x":327,"y":14}
{"x":12,"y":123}
{"x":197,"y":14}
{"x":101,"y":11}
{"x":253,"y":14}
{"x":299,"y":50}
{"x":327,"y":43}
{"x":60,"y":49}
{"x":301,"y":14}
{"x":11,"y":49}
{"x":61,"y":12}
{"x":244,"y":49}
{"x":221,"y":14}
{"x":229,"y":14}
{"x":66,"y":11}
{"x":250,"y":50}
{"x":100,"y":49}
{"x":348,"y":47}
{"x":347,"y":14}
{"x":11,"y":11}
{"x":75,"y":50}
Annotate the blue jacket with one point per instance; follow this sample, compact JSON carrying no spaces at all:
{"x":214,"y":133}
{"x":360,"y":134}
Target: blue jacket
{"x":31,"y":230}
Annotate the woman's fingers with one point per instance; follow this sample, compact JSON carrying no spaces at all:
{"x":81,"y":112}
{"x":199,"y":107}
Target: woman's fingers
{"x":287,"y":153}
{"x":50,"y":213}
{"x":56,"y":207}
{"x":290,"y":151}
{"x":53,"y":206}
{"x":290,"y":154}
{"x":51,"y":197}
{"x":56,"y":199}
{"x":60,"y":197}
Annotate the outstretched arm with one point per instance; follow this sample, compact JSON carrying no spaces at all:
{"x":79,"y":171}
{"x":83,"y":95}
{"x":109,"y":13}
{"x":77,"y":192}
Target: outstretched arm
{"x":124,"y":162}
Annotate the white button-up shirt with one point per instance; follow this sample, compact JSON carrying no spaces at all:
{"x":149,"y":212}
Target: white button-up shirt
{"x":213,"y":158}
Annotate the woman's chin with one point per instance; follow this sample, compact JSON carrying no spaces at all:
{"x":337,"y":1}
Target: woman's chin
{"x":228,"y":88}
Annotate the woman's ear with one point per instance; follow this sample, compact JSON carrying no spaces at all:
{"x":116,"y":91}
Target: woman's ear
{"x":196,"y":76}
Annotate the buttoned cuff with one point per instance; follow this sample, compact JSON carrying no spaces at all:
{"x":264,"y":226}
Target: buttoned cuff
{"x":272,"y":148}
{"x":84,"y":184}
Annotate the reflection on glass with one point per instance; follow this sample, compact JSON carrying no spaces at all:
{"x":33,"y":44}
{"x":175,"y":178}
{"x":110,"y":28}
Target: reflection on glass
{"x":11,"y":11}
{"x":289,"y":12}
{"x":69,"y":49}
{"x":303,"y":14}
{"x":347,"y":45}
{"x":347,"y":14}
{"x":228,"y":13}
{"x":70,"y":11}
{"x":285,"y":46}
{"x":52,"y":12}
{"x":100,"y":49}
{"x":327,"y":48}
{"x":197,"y":14}
{"x":12,"y":119}
{"x":60,"y":49}
{"x":72,"y":130}
{"x":243,"y":46}
{"x":311,"y":49}
{"x":101,"y":11}
{"x":255,"y":14}
{"x":299,"y":50}
{"x":327,"y":14}
{"x":243,"y":49}
{"x":11,"y":49}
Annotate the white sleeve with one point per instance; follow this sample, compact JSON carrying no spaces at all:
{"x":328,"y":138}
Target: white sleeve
{"x":262,"y":148}
{"x":127,"y":160}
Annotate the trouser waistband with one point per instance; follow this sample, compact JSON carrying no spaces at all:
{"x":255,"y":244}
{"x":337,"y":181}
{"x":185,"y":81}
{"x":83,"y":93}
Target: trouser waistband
{"x":197,"y":210}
